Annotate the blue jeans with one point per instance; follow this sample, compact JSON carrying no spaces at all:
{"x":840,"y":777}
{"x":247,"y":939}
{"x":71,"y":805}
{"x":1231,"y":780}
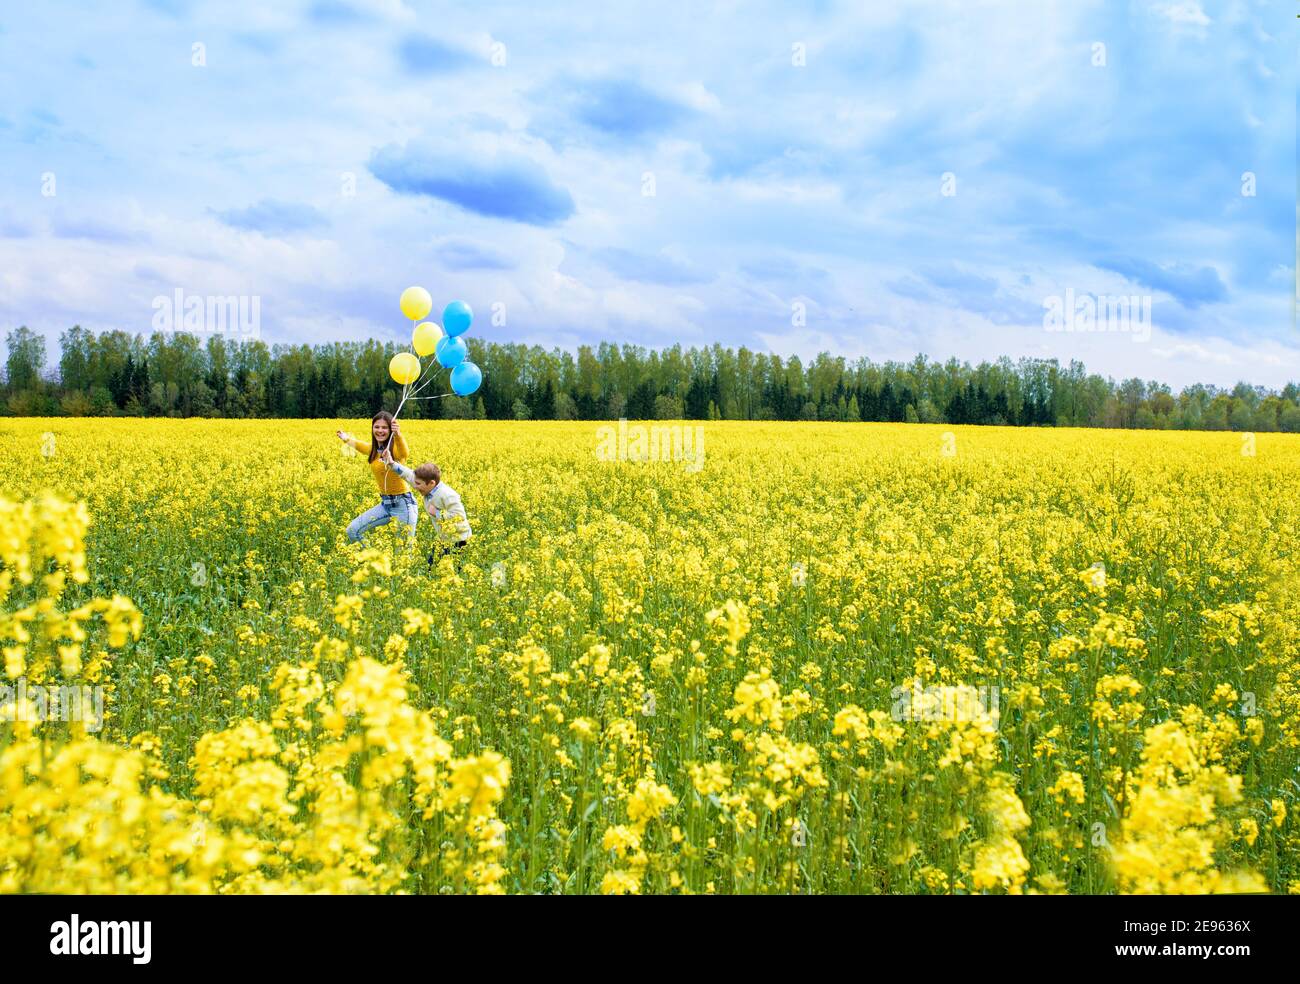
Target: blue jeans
{"x":400,"y":507}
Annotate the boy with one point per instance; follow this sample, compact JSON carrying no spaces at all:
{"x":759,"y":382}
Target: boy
{"x":441,"y":502}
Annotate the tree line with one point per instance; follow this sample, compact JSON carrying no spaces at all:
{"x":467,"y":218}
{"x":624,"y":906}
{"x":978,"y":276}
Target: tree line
{"x":180,"y":374}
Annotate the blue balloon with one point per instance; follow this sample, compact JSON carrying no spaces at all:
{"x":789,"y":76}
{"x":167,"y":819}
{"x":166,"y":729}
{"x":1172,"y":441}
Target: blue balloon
{"x":465,"y":379}
{"x":450,"y":352}
{"x":456,"y":317}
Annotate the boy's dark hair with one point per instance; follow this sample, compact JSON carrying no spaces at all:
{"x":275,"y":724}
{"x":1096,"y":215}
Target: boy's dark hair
{"x":429,"y":472}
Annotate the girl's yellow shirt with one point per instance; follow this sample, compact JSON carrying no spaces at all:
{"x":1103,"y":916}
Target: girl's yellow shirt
{"x":385,"y":477}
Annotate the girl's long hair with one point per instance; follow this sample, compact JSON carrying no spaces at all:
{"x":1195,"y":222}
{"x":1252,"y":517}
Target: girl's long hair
{"x":375,"y":449}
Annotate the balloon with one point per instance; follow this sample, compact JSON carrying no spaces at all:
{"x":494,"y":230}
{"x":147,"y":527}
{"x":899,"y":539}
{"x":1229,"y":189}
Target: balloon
{"x":456,"y":317}
{"x":404,"y":368}
{"x":425,"y":337}
{"x":416,"y":303}
{"x":450,"y":352}
{"x":465,"y":379}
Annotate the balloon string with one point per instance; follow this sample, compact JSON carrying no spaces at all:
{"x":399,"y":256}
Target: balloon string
{"x":430,"y":379}
{"x":406,"y":389}
{"x":401,"y":403}
{"x":432,"y":363}
{"x":411,"y":394}
{"x":408,"y":392}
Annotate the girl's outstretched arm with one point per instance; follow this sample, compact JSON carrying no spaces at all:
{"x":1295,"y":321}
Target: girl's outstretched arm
{"x":360,"y":446}
{"x":397,"y":445}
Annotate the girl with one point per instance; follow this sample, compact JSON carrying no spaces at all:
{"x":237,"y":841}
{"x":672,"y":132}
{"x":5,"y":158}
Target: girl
{"x":395,"y":498}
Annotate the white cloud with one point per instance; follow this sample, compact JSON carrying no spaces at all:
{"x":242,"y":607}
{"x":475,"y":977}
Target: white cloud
{"x":1186,"y":19}
{"x":1184,"y":12}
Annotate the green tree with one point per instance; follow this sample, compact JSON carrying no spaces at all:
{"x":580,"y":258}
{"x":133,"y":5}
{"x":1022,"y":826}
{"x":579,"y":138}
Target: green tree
{"x":565,"y":408}
{"x":668,"y":407}
{"x":457,"y":408}
{"x":25,"y":361}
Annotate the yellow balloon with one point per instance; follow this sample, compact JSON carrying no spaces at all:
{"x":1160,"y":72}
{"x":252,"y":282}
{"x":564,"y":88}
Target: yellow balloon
{"x":404,"y":368}
{"x":416,"y":303}
{"x":425,"y":338}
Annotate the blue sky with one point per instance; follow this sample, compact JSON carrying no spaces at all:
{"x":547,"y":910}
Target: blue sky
{"x":766,"y":174}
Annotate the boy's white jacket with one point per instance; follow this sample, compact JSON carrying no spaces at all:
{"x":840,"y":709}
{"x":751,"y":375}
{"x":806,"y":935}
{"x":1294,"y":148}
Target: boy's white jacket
{"x":443,"y":506}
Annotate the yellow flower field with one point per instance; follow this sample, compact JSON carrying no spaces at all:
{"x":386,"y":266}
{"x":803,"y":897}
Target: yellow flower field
{"x":817,"y":658}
